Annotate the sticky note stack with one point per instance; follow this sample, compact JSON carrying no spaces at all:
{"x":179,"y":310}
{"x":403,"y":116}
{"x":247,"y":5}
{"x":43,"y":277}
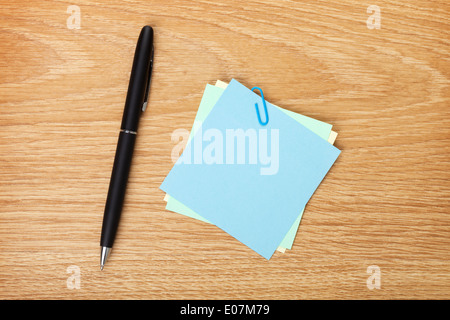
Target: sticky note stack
{"x":253,"y":181}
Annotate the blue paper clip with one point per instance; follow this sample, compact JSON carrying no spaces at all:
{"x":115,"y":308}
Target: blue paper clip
{"x":265,"y":108}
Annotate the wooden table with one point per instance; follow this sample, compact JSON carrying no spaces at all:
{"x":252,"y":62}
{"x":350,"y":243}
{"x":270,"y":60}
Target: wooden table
{"x":385,"y":204}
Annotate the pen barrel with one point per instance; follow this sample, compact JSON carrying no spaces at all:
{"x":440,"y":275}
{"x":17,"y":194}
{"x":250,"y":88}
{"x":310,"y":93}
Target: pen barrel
{"x":117,"y":187}
{"x":139,"y":80}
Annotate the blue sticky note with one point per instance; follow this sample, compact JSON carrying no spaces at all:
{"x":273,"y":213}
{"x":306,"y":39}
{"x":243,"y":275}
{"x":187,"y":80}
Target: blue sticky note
{"x":247,"y":179}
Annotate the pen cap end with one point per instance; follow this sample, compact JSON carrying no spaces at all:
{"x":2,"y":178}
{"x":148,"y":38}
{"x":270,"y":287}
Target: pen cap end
{"x":146,"y":29}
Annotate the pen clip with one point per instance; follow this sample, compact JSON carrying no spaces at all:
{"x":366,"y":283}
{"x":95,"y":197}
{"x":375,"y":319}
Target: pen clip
{"x":149,"y":80}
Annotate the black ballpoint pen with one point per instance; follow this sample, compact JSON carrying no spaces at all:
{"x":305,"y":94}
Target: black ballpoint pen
{"x":135,"y":104}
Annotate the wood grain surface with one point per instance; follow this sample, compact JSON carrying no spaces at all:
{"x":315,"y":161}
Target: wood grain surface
{"x":385,"y":202}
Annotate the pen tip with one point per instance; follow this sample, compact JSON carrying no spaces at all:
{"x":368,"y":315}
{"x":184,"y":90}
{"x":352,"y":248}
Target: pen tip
{"x":104,"y":256}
